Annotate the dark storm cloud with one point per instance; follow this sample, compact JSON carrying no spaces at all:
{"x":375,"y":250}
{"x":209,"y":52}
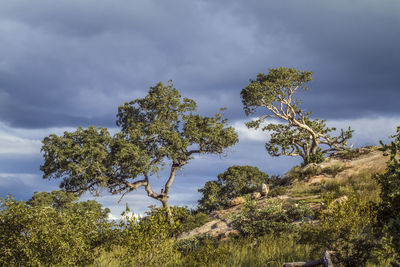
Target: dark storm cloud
{"x":69,"y":63}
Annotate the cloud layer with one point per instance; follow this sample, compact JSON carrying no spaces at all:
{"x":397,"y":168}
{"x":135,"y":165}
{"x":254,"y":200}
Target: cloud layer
{"x":71,"y":63}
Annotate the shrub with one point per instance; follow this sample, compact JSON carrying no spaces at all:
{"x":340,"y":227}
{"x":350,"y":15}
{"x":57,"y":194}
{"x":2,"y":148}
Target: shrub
{"x":333,"y":169}
{"x":351,"y":153}
{"x":202,"y":251}
{"x":148,"y":241}
{"x":46,"y":235}
{"x":346,"y":228}
{"x":277,"y":191}
{"x":235,"y":181}
{"x":271,"y":219}
{"x":389,"y":208}
{"x":301,"y":173}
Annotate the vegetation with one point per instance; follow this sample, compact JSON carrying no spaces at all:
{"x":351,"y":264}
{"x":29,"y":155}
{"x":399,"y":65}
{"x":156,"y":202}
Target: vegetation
{"x":52,"y":229}
{"x":356,"y":215}
{"x":235,"y":181}
{"x":389,"y":208}
{"x":156,"y":130}
{"x":272,"y":219}
{"x":347,"y":228}
{"x":301,"y":135}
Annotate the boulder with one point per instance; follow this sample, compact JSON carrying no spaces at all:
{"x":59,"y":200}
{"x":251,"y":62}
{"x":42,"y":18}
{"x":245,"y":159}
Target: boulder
{"x":263,"y":189}
{"x":255,"y":195}
{"x":237,"y":201}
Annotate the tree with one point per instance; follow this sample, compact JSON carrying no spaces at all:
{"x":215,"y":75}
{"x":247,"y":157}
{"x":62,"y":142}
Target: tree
{"x":300,"y":135}
{"x":158,"y":130}
{"x":389,"y":207}
{"x":235,"y":181}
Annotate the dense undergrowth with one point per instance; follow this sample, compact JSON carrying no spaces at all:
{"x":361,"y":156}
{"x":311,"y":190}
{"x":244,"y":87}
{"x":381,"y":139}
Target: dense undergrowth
{"x":356,"y":216}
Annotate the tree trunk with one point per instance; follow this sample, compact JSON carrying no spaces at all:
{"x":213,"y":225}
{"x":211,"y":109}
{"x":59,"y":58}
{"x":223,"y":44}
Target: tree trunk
{"x":165,"y":204}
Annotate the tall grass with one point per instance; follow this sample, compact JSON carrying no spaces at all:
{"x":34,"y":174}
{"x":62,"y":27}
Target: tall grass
{"x":268,"y":250}
{"x":361,"y":184}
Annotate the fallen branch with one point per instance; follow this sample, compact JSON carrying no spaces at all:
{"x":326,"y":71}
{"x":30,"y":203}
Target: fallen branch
{"x":325,"y":261}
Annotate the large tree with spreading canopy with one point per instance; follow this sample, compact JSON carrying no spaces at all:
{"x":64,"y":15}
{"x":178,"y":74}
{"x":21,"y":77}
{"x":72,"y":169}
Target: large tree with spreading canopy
{"x":158,"y":131}
{"x":299,"y":135}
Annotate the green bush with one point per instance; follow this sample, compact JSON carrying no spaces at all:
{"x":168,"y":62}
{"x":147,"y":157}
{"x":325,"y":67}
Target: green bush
{"x":235,"y":181}
{"x":60,"y":234}
{"x":184,"y":219}
{"x":351,"y":153}
{"x":389,"y":207}
{"x":271,"y":219}
{"x":277,"y":191}
{"x":346,"y":228}
{"x":149,"y":241}
{"x":301,"y":173}
{"x":318,"y":157}
{"x":203,"y":251}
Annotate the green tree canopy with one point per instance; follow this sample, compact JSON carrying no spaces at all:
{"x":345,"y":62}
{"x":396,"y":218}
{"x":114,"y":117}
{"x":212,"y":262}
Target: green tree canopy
{"x":158,"y":130}
{"x":68,"y":202}
{"x":300,"y":135}
{"x":235,"y":181}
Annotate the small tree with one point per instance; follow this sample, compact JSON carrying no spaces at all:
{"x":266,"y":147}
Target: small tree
{"x":235,"y":181}
{"x":300,"y":135}
{"x":158,"y":130}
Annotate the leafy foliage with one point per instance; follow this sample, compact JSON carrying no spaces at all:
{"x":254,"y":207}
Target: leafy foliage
{"x":346,"y":228}
{"x":49,"y":232}
{"x":277,"y":191}
{"x":271,"y":219}
{"x":235,"y":181}
{"x":149,"y":241}
{"x":301,"y":135}
{"x":159,"y":129}
{"x":389,"y":208}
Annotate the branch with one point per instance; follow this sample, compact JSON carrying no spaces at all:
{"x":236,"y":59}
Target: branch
{"x":149,"y":190}
{"x":170,"y":180}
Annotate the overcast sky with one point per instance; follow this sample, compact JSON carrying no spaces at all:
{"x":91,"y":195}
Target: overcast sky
{"x":71,"y":63}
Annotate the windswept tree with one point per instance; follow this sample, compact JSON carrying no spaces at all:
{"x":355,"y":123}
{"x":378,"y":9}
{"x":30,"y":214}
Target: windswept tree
{"x":158,"y":131}
{"x":299,"y":134}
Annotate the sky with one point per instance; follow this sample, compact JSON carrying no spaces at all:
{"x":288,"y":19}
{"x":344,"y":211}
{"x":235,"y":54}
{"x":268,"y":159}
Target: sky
{"x":71,"y":63}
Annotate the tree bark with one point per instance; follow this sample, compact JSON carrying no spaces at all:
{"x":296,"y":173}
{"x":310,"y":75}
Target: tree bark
{"x":165,"y":204}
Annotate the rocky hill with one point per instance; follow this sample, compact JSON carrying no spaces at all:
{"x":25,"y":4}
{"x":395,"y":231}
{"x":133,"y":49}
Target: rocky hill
{"x":340,"y":175}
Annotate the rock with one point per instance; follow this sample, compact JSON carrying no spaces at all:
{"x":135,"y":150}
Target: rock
{"x":263,"y":189}
{"x":339,"y":201}
{"x":237,"y":201}
{"x":255,"y":195}
{"x":227,"y":234}
{"x":219,"y":225}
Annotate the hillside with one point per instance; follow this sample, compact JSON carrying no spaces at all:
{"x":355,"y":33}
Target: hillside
{"x":340,"y":175}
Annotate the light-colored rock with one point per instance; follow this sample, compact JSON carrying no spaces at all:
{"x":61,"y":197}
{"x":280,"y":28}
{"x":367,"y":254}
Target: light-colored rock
{"x":237,"y":201}
{"x":317,"y":179}
{"x":339,"y":201}
{"x":263,"y":189}
{"x":255,"y":195}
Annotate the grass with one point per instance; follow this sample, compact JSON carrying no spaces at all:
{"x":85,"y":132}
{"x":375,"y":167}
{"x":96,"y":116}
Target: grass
{"x":300,"y":190}
{"x":362,"y":184}
{"x":268,"y":250}
{"x":353,"y":153}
